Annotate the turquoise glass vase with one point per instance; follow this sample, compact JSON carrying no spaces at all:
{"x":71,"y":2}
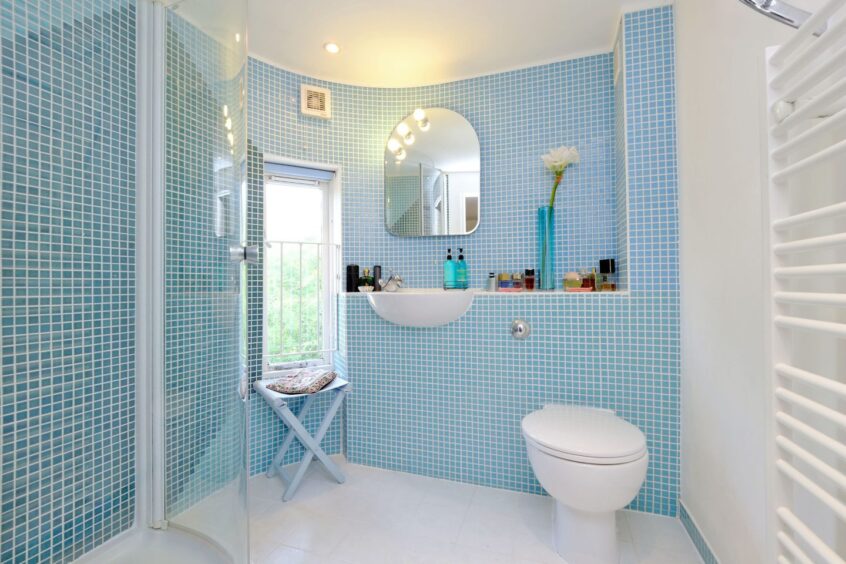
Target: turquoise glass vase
{"x":546,"y":247}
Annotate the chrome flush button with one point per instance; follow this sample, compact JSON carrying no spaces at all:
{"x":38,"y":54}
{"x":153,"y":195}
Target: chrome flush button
{"x":520,"y":329}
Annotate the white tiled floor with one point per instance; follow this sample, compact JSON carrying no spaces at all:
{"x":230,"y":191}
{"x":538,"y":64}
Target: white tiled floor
{"x":379,"y":516}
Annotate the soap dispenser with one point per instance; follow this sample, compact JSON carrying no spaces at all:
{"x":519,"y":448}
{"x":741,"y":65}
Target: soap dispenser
{"x":461,"y":271}
{"x":450,"y":272}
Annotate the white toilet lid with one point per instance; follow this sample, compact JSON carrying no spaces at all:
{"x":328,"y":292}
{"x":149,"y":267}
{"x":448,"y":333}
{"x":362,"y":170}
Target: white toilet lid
{"x":584,"y":434}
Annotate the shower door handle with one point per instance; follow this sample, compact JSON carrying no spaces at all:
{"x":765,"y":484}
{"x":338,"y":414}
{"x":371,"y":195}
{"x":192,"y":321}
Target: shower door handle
{"x":242,"y":253}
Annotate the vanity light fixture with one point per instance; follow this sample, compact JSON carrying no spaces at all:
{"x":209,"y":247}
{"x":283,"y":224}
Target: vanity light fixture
{"x":394,"y":145}
{"x":401,"y":154}
{"x":409,"y":138}
{"x":332,"y":48}
{"x":403,"y":129}
{"x":419,"y":116}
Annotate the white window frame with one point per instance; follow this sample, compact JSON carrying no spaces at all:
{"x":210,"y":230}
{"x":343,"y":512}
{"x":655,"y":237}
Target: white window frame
{"x":331,"y":237}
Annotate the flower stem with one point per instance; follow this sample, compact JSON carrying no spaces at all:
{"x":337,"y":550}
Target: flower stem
{"x":558,"y":178}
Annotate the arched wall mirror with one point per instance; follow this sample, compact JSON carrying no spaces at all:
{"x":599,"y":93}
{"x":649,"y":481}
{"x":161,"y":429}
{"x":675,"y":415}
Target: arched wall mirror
{"x":432,"y":175}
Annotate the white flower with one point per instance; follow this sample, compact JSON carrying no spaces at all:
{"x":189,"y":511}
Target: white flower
{"x":558,"y":159}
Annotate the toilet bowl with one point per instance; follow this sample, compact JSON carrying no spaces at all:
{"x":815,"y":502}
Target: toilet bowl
{"x":593,"y":463}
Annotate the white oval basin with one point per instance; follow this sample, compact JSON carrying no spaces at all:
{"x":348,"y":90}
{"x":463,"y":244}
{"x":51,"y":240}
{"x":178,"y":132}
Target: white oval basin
{"x":421,"y":307}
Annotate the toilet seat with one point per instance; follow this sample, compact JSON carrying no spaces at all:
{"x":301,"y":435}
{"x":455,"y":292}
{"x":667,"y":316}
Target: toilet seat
{"x":584,"y":434}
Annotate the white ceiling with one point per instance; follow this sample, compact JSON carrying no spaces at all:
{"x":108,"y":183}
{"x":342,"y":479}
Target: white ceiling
{"x":401,"y":43}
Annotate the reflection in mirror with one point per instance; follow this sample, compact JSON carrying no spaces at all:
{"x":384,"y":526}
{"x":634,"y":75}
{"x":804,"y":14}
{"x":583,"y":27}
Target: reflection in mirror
{"x":432,"y":175}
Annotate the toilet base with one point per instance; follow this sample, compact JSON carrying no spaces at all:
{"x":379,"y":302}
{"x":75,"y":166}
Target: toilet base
{"x":586,"y":538}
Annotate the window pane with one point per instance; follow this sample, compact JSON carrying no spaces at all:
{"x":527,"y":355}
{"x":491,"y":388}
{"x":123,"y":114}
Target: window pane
{"x":293,"y":213}
{"x":295,"y":261}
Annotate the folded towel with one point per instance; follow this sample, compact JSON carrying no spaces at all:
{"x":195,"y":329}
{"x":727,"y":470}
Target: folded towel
{"x":306,"y":381}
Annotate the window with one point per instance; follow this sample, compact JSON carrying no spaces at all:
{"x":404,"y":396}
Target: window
{"x":299,"y":267}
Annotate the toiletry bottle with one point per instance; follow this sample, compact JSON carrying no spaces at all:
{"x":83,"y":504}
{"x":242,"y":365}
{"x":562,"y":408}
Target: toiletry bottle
{"x":517,"y":281}
{"x":505,"y":281}
{"x":608,"y":269}
{"x":377,"y":274}
{"x":352,"y":278}
{"x":492,"y":282}
{"x":593,"y":280}
{"x":572,"y":280}
{"x":529,"y":281}
{"x":461,"y":271}
{"x":450,"y":273}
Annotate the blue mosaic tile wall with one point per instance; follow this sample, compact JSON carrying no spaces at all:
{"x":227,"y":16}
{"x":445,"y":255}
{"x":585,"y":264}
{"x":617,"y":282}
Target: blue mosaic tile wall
{"x":518,"y":115}
{"x":447,"y":402}
{"x":204,"y":426}
{"x":67,"y":238}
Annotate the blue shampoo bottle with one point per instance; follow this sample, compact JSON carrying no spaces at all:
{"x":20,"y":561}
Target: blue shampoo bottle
{"x":450,"y":272}
{"x":461,"y":271}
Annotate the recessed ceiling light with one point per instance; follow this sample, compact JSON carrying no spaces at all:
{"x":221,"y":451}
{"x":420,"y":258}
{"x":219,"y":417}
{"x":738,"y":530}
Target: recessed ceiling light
{"x":332,"y":48}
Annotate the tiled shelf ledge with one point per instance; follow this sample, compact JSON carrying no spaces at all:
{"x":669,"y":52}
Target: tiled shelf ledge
{"x":535,"y":293}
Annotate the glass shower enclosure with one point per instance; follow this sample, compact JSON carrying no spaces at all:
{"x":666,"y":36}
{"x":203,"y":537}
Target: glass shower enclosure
{"x":199,"y":436}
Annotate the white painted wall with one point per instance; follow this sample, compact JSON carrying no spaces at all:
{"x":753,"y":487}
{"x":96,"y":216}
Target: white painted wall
{"x":724,"y":388}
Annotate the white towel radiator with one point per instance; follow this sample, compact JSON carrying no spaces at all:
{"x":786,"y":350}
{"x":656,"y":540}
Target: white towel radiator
{"x":807,"y":252}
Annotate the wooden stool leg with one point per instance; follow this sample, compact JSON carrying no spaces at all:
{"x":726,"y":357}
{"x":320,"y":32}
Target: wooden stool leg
{"x":312,"y":444}
{"x":276,"y":465}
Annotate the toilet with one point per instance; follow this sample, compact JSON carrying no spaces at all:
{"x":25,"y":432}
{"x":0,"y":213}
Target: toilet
{"x":593,"y":463}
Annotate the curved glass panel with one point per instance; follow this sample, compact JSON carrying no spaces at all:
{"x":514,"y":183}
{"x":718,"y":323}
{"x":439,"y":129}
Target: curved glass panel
{"x":205,"y":155}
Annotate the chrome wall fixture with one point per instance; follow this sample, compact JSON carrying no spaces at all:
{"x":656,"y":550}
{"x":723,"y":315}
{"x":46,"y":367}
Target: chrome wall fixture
{"x":780,"y":11}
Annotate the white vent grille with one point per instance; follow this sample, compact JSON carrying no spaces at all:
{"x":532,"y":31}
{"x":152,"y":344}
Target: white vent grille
{"x":315,"y":101}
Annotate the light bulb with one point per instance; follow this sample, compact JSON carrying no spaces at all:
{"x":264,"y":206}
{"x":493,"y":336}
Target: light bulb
{"x":419,"y":114}
{"x":228,"y":124}
{"x":225,"y":111}
{"x":401,"y":154}
{"x":409,"y":138}
{"x":424,"y":124}
{"x":231,"y":138}
{"x":403,"y":129}
{"x":393,"y":145}
{"x":332,"y":48}
{"x":237,"y":38}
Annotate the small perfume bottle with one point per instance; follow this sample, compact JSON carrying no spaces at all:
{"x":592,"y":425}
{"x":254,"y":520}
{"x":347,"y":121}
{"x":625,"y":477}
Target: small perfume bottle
{"x":608,"y":271}
{"x":529,"y":280}
{"x":517,"y":281}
